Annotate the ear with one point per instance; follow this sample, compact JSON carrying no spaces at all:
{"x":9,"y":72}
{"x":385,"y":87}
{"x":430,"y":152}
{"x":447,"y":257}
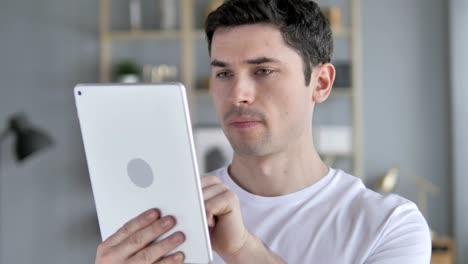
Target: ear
{"x":323,"y":82}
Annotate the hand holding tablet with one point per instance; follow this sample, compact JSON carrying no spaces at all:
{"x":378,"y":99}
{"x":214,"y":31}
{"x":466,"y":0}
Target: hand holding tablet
{"x":130,"y":243}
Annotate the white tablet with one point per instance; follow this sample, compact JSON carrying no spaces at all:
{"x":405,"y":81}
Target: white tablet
{"x":140,"y":155}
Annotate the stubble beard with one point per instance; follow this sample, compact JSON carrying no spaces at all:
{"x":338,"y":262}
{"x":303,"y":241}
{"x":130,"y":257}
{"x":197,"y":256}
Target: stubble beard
{"x":258,"y":146}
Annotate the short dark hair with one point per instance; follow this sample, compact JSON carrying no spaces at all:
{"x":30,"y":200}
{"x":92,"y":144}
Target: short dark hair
{"x":301,"y":23}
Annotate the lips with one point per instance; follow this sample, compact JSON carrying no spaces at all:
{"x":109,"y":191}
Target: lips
{"x":244,"y":122}
{"x":243,"y":117}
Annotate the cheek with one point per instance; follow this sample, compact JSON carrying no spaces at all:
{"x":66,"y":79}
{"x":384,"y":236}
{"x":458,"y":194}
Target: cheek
{"x":219,"y":100}
{"x":291,"y":108}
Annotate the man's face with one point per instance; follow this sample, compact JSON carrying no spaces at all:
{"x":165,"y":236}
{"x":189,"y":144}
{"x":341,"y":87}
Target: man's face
{"x":258,"y":88}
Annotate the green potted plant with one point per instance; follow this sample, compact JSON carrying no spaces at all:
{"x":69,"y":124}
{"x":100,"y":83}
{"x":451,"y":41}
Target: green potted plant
{"x":127,"y":71}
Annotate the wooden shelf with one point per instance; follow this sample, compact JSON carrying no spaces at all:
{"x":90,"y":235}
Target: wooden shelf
{"x":145,"y":34}
{"x":442,"y":251}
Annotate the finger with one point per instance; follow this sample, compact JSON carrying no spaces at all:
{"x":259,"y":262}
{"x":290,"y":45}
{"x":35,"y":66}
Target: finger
{"x":143,"y":237}
{"x":137,"y":223}
{"x":210,"y":220}
{"x":213,"y":190}
{"x":158,"y":250}
{"x":210,"y":192}
{"x":209,"y":180}
{"x":177,"y":257}
{"x":221,"y":204}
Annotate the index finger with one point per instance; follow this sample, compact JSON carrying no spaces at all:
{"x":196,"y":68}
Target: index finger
{"x":209,"y":180}
{"x":135,"y":224}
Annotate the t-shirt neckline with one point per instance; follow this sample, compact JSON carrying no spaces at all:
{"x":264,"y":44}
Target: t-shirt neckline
{"x":245,"y":196}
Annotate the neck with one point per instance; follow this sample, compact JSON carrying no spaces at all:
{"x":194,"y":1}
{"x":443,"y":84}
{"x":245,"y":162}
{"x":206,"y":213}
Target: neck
{"x":290,"y":170}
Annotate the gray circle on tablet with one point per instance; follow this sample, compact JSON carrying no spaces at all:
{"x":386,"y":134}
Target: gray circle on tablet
{"x":140,"y":173}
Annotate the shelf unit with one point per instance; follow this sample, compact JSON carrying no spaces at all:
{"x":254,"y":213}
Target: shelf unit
{"x":187,"y":35}
{"x":356,"y":101}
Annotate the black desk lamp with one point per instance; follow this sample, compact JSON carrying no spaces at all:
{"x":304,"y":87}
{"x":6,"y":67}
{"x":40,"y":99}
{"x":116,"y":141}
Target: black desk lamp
{"x":29,"y":140}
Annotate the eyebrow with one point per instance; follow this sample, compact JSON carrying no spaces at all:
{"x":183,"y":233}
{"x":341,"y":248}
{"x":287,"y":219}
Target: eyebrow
{"x":260,"y":60}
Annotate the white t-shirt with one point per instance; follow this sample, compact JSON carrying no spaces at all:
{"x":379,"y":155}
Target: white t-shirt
{"x":335,"y":220}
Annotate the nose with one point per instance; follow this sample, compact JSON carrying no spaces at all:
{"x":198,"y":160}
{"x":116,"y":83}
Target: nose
{"x":242,"y":91}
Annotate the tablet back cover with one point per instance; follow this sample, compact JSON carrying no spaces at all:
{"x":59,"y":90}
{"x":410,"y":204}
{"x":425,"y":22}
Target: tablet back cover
{"x":140,"y":155}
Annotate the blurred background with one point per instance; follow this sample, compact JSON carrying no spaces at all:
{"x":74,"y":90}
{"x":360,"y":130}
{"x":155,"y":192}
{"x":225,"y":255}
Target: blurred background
{"x":397,"y":117}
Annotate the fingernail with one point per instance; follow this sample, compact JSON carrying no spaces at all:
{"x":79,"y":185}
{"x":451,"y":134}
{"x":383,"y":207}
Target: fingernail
{"x":178,"y":256}
{"x":151,"y":214}
{"x":176,"y":237}
{"x":165,"y":222}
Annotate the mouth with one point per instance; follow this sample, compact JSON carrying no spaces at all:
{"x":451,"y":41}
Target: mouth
{"x":243,"y":122}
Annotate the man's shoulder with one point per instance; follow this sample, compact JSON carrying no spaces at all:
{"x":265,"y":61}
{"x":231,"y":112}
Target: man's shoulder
{"x":358,"y":194}
{"x":387,"y":221}
{"x":374,"y":209}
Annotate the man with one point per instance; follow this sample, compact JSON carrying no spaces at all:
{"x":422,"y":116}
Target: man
{"x":278,"y":202}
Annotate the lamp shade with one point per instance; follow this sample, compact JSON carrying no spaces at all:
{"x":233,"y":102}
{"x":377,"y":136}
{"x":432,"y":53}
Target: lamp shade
{"x":29,"y":140}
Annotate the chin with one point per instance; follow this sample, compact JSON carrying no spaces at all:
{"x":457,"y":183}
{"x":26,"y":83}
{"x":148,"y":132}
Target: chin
{"x":244,"y":149}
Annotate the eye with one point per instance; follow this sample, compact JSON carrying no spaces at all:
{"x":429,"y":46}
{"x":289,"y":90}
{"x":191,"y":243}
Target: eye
{"x":263,"y":71}
{"x":223,"y":74}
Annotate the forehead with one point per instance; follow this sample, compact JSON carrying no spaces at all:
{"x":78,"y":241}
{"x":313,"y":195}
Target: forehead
{"x":245,"y":42}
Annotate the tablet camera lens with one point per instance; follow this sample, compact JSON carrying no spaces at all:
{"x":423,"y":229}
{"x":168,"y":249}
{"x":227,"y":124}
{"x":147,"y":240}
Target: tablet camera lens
{"x":79,"y":92}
